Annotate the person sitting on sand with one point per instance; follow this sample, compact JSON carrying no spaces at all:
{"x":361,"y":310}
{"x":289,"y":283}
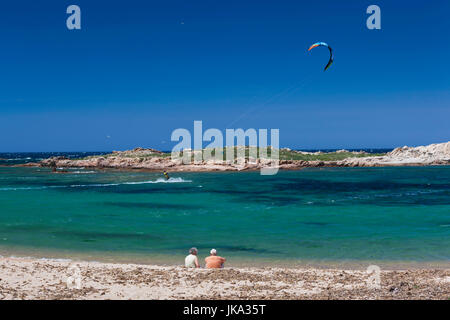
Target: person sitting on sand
{"x":214,"y":261}
{"x":191,"y":261}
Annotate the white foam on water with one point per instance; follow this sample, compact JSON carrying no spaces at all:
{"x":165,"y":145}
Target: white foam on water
{"x":91,"y":185}
{"x":55,"y":259}
{"x":160,"y":180}
{"x":40,"y":259}
{"x":29,"y":188}
{"x":83,"y":172}
{"x":17,"y":159}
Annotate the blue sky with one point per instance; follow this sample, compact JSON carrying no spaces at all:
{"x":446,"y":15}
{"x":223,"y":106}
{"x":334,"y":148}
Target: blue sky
{"x":137,"y":70}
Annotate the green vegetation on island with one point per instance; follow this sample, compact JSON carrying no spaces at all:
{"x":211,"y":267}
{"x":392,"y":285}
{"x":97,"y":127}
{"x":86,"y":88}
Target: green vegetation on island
{"x":250,"y":152}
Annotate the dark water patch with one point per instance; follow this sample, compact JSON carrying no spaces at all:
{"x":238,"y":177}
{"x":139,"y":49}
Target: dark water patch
{"x":317,"y":224}
{"x":152,"y":205}
{"x":406,"y":198}
{"x":247,"y":249}
{"x":314,"y":186}
{"x":400,"y":200}
{"x":311,"y":244}
{"x":407,"y":202}
{"x":231,"y":248}
{"x":93,"y":236}
{"x":236,"y":191}
{"x":273,"y":200}
{"x":109,"y":215}
{"x":42,"y":229}
{"x":25,"y":228}
{"x":382,"y":203}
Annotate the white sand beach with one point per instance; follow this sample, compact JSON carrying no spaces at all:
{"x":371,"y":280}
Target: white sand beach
{"x":30,"y":278}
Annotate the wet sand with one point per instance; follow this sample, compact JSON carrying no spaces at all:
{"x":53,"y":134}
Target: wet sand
{"x":30,"y":278}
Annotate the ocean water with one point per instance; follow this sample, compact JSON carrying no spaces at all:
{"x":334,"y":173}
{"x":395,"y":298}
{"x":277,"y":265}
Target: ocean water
{"x":12,"y":158}
{"x":317,"y":214}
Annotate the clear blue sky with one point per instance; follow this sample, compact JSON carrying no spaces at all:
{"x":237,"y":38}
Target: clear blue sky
{"x":140,"y":69}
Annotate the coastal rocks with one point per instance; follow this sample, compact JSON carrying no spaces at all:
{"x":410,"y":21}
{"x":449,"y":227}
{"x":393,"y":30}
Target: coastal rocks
{"x":434,"y":154}
{"x":151,"y":159}
{"x":430,"y":153}
{"x":50,"y":161}
{"x":30,"y":164}
{"x":139,"y":151}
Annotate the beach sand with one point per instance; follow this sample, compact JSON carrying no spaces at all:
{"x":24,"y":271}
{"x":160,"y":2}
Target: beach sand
{"x":30,"y":278}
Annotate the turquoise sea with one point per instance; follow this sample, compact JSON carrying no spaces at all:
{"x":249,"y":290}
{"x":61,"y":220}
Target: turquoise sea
{"x":317,"y":215}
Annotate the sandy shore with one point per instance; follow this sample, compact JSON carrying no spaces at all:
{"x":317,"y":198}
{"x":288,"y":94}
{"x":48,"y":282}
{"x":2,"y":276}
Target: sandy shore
{"x":28,"y":278}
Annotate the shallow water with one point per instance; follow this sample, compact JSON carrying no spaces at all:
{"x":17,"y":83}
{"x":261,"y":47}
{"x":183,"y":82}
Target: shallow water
{"x":320,"y":214}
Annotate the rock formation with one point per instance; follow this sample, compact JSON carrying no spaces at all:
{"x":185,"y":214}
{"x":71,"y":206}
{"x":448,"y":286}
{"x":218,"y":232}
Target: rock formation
{"x":151,"y":159}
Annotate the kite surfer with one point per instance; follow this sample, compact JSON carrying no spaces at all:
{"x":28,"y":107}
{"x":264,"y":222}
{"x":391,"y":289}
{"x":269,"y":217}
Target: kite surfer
{"x":166,"y":175}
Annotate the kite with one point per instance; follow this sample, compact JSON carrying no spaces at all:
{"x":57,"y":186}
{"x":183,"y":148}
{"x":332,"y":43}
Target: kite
{"x":318,"y":44}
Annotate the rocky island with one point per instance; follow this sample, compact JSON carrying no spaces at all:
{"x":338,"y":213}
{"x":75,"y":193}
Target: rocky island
{"x":154,"y":160}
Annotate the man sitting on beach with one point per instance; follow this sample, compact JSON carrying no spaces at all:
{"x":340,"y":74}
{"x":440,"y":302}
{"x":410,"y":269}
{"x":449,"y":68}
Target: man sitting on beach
{"x":214,"y":261}
{"x":191,"y":261}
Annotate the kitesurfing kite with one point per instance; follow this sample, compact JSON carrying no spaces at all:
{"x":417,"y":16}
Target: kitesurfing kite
{"x":318,"y":44}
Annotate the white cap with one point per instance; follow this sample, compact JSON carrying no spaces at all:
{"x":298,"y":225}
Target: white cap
{"x":213,"y":251}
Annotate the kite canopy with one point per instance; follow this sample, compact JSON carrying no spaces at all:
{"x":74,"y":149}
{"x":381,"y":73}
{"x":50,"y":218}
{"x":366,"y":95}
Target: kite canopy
{"x":318,"y":44}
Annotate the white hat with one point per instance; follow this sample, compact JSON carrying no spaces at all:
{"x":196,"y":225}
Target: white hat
{"x":213,"y":251}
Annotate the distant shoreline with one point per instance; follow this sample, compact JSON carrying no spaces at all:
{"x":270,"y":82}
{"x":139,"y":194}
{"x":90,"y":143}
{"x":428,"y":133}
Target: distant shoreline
{"x":154,"y":160}
{"x":199,"y":169}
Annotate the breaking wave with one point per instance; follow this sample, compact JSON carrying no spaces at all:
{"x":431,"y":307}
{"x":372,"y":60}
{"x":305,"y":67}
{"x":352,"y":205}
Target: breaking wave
{"x":160,"y":180}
